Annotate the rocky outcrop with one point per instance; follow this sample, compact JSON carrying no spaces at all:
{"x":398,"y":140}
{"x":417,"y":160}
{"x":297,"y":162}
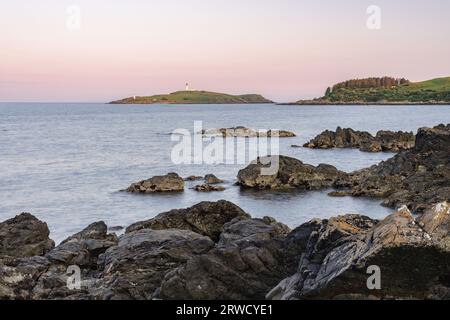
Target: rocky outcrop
{"x":244,"y":132}
{"x":214,"y":250}
{"x":418,"y":178}
{"x":247,"y":261}
{"x":291,"y":173}
{"x":193,"y":178}
{"x":412,"y":262}
{"x":207,"y":188}
{"x":349,"y":138}
{"x":205,"y":218}
{"x":171,"y":182}
{"x":24,"y":236}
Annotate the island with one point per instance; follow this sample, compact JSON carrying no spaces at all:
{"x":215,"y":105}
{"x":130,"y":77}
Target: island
{"x":384,"y":91}
{"x":195,"y":97}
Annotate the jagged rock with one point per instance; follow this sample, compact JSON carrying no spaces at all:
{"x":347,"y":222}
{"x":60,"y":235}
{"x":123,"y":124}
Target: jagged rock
{"x":135,"y":268}
{"x":208,"y":188}
{"x":244,"y":132}
{"x":291,"y":173}
{"x":212,"y":179}
{"x":247,"y":261}
{"x":349,"y":138}
{"x":335,"y":261}
{"x":171,"y":182}
{"x":205,"y":218}
{"x":418,"y":178}
{"x":24,"y":236}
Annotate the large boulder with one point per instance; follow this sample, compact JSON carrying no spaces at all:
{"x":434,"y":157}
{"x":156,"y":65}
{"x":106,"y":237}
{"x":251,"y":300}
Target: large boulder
{"x":418,"y":178}
{"x":205,"y":218}
{"x":349,"y":138}
{"x":291,"y":173}
{"x":246,"y":262}
{"x":24,"y":236}
{"x":135,"y":268}
{"x":412,"y":262}
{"x":171,"y":182}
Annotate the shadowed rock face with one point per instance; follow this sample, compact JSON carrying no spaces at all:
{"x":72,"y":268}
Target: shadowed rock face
{"x":292,"y":173}
{"x":349,"y":138}
{"x":171,"y":182}
{"x":417,"y":178}
{"x":412,"y":262}
{"x":24,"y":236}
{"x":205,"y":218}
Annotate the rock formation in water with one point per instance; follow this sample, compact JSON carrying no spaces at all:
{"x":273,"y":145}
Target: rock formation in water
{"x":171,"y":182}
{"x":244,"y":132}
{"x":349,"y":138}
{"x":291,"y":173}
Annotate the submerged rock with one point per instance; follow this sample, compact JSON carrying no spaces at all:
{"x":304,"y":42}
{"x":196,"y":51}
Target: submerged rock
{"x":291,"y":173}
{"x":244,"y":132}
{"x":208,"y":188}
{"x":171,"y":182}
{"x":349,"y":138}
{"x":193,"y":178}
{"x":24,"y":236}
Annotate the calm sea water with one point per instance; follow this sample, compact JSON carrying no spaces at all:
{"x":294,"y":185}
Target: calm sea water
{"x":66,"y":162}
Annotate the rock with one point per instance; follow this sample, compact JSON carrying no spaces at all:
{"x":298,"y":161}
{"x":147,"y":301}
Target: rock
{"x":436,"y":222}
{"x":193,"y":178}
{"x":418,"y":178}
{"x":205,"y":218}
{"x":135,"y":268}
{"x":295,"y":146}
{"x":244,"y":132}
{"x":334,"y":264}
{"x":116,"y":228}
{"x":171,"y":182}
{"x":349,"y":138}
{"x":245,"y":264}
{"x":291,"y":173}
{"x":212,"y":179}
{"x":208,"y":188}
{"x":338,"y":194}
{"x":24,"y":236}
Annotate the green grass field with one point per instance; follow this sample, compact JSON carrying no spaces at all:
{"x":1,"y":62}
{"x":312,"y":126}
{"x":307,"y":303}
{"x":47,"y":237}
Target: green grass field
{"x":195,"y":97}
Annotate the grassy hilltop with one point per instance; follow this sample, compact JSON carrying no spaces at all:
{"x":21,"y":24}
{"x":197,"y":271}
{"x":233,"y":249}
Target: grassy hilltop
{"x":386,"y":91}
{"x":195,"y":97}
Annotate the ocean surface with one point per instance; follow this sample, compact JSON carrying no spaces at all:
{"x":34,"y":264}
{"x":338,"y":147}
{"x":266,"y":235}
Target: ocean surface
{"x":65,"y":163}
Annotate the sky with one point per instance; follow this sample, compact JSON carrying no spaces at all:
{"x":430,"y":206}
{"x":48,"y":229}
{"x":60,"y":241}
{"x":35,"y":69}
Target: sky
{"x":98,"y":51}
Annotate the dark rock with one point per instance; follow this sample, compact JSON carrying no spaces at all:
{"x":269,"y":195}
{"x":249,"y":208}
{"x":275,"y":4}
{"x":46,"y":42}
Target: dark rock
{"x":212,"y":179}
{"x":291,"y":173}
{"x":24,"y":236}
{"x":135,"y":268}
{"x":338,"y":194}
{"x":335,"y":261}
{"x":418,"y":178}
{"x":193,"y":178}
{"x":245,"y":264}
{"x":205,"y":218}
{"x":208,"y":188}
{"x":349,"y":138}
{"x":171,"y":182}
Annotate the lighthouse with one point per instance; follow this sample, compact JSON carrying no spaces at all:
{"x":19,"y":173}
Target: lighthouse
{"x":187,"y":87}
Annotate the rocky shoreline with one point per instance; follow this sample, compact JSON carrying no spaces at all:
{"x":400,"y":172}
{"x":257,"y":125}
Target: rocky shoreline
{"x":216,"y":250}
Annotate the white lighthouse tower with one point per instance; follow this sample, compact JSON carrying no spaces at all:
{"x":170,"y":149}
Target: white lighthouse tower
{"x":187,"y":87}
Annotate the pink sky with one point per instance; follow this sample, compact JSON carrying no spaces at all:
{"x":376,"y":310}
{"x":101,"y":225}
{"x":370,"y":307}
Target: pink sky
{"x":283,"y":49}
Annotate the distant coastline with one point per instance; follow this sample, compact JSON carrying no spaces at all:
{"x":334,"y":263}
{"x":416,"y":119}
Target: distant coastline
{"x":195,"y":97}
{"x":384,"y":91}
